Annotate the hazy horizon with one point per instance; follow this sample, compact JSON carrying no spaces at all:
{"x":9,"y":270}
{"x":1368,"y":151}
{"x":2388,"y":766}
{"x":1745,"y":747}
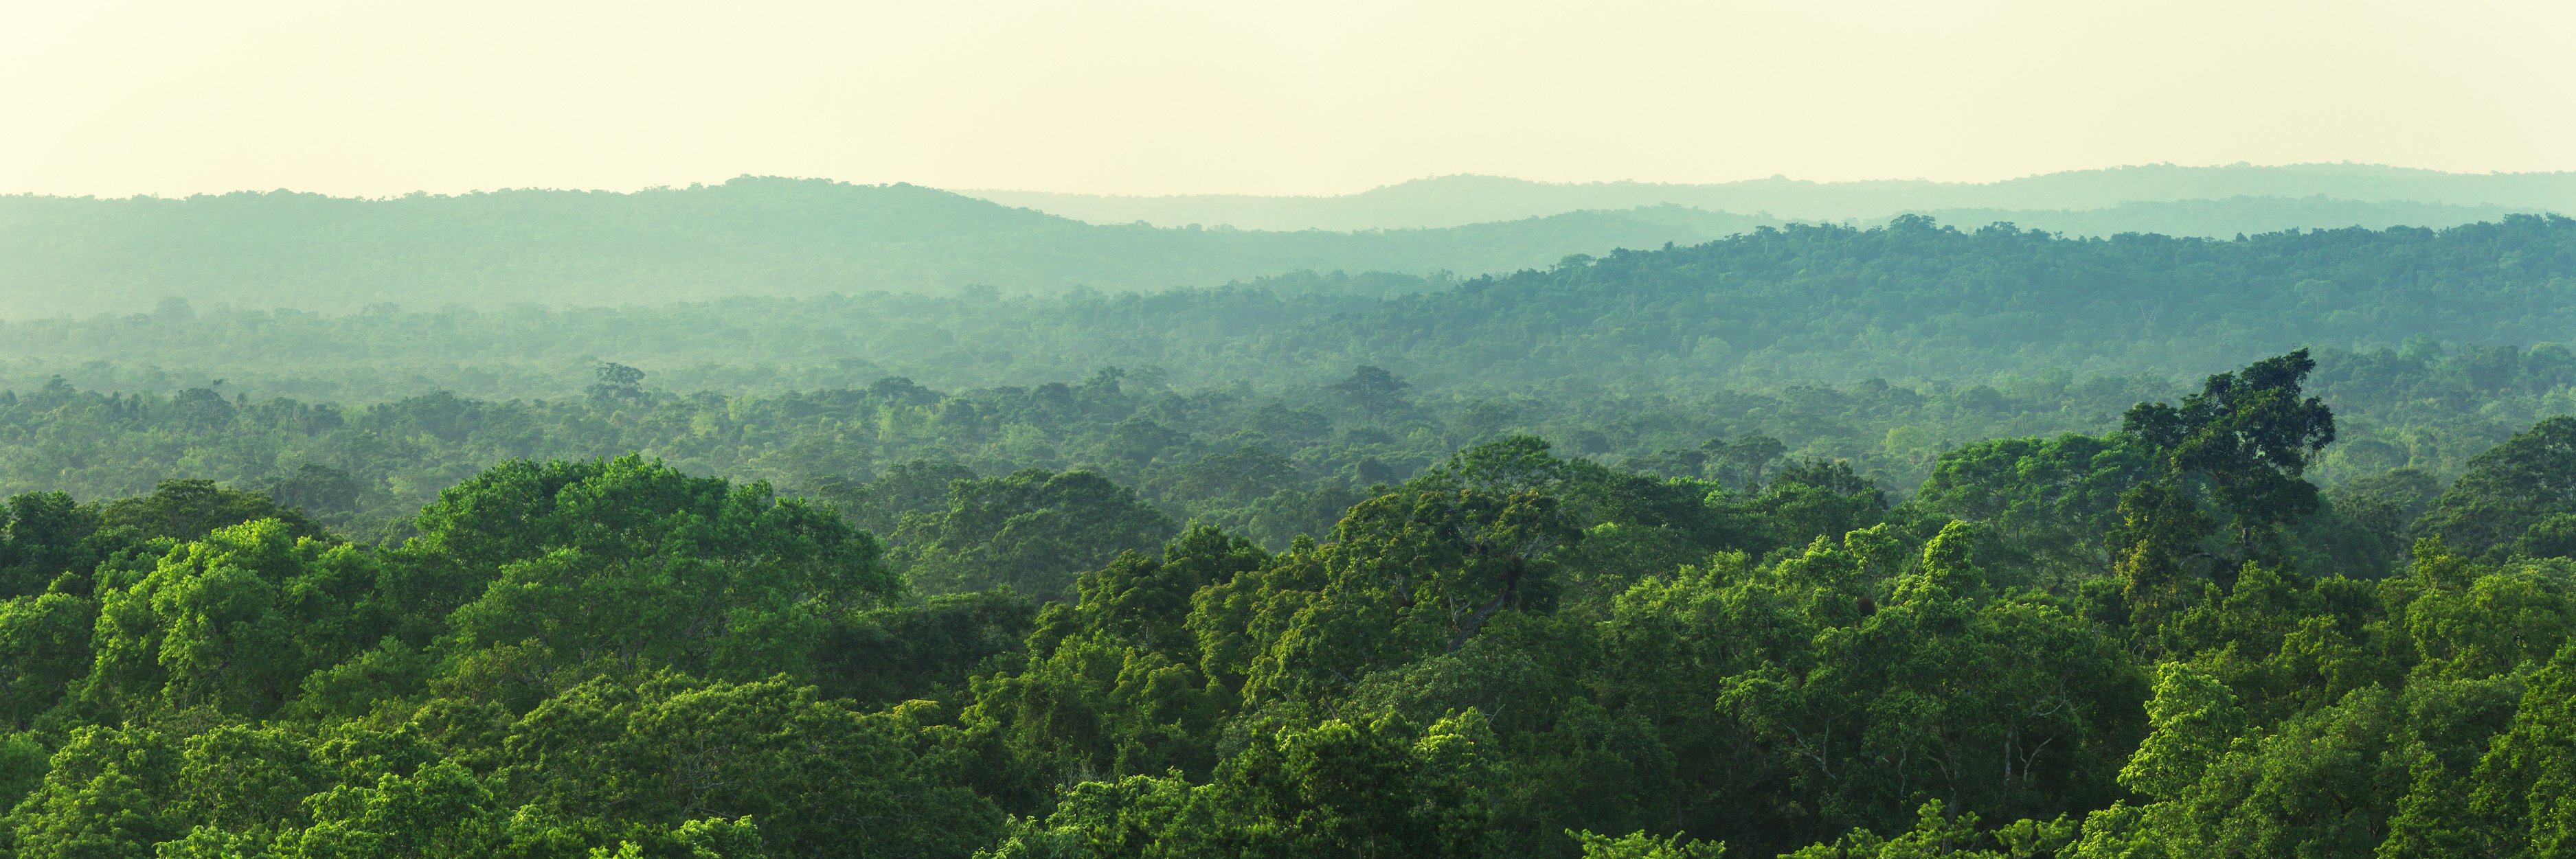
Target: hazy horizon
{"x":1430,"y":429}
{"x":1144,"y":98}
{"x":1316,"y":195}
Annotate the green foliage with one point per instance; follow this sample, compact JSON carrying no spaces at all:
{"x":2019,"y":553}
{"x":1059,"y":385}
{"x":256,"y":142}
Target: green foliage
{"x":879,"y":451}
{"x":927,"y":650}
{"x":104,"y":796}
{"x":2511,"y":493}
{"x":1030,"y":531}
{"x":232,"y":622}
{"x":1941,"y":833}
{"x":632,"y":565}
{"x":49,"y":535}
{"x":2191,"y":719}
{"x":2230,"y":461}
{"x":1375,"y":565}
{"x":2050,"y":503}
{"x":1382,"y":788}
{"x":190,"y":509}
{"x":1638,"y":845}
{"x":1991,"y":311}
{"x":2145,"y":643}
{"x":669,"y":750}
{"x":45,"y":643}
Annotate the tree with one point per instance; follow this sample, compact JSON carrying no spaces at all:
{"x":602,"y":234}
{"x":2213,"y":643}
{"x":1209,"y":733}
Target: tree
{"x":1639,"y":845}
{"x":1242,"y":474}
{"x":316,"y":489}
{"x":617,"y":384}
{"x":630,"y":563}
{"x":1372,"y":389}
{"x":2237,"y":448}
{"x":1745,"y":458}
{"x":190,"y":509}
{"x":48,"y":535}
{"x":912,"y":488}
{"x":2191,"y":719}
{"x":1407,"y":575}
{"x":1381,"y":788}
{"x":44,"y":650}
{"x":234,"y":621}
{"x":2508,"y":490}
{"x":1114,"y":686}
{"x":2245,"y":439}
{"x":1031,"y":530}
{"x":108,"y":795}
{"x":1940,"y":832}
{"x":926,"y":651}
{"x":2049,"y":504}
{"x":652,"y":755}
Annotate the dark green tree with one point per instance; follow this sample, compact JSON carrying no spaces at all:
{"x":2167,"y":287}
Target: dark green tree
{"x":1032,"y":531}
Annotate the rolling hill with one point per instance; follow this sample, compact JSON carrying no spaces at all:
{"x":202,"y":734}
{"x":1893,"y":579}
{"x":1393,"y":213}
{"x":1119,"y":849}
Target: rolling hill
{"x":785,"y":237}
{"x":751,"y":236}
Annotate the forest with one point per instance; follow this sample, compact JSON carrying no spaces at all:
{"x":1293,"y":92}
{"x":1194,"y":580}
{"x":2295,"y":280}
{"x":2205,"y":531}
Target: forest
{"x":777,"y":236}
{"x":2157,"y":638}
{"x":749,"y":236}
{"x":1914,"y":302}
{"x":1812,"y":541}
{"x":1129,"y":429}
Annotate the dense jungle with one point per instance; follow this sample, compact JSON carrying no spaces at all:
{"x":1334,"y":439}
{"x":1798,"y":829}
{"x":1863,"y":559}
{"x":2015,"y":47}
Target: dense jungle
{"x":1810,"y":539}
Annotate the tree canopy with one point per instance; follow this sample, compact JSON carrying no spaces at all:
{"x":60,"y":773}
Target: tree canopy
{"x":2158,"y":640}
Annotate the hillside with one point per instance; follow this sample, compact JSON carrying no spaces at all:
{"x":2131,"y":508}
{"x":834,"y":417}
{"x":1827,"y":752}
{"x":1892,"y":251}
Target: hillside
{"x":1775,"y":542}
{"x":1806,"y":304}
{"x":782,"y":237}
{"x":1453,"y":200}
{"x":745,"y":237}
{"x":2224,"y":217}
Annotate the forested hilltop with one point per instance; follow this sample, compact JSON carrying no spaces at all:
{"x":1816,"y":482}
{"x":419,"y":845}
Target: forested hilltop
{"x":750,"y":236}
{"x":1912,"y":302}
{"x":2156,"y":637}
{"x":1814,"y":540}
{"x":785,"y":237}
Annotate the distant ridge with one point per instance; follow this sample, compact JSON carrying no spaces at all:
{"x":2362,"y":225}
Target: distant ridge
{"x":1463,"y":199}
{"x":749,"y":236}
{"x":1909,"y":302}
{"x":757,"y":236}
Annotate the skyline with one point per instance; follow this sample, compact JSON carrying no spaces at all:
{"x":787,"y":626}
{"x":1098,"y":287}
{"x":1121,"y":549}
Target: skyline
{"x":1150,"y":98}
{"x":1322,"y":195}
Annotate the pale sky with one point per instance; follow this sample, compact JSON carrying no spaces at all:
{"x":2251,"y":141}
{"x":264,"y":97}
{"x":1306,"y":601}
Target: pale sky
{"x":1312,"y":97}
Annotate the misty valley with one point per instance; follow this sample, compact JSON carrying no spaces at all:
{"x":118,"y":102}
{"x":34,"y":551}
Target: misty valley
{"x":2156,"y":512}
